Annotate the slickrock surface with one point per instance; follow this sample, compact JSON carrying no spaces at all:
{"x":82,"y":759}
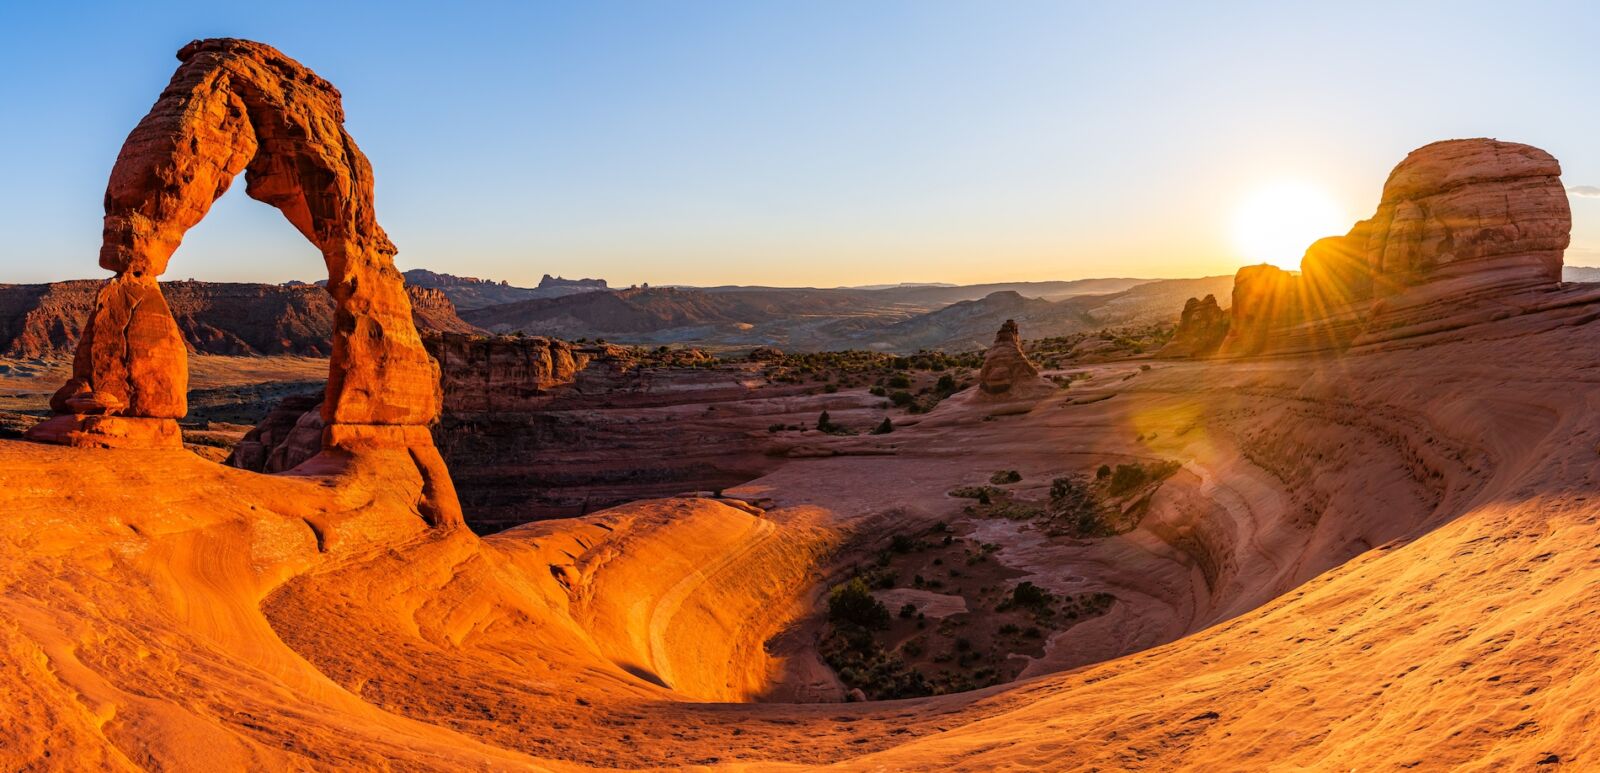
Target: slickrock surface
{"x":1007,"y":374}
{"x":1200,"y":329}
{"x":1381,"y":560}
{"x":1465,"y":230}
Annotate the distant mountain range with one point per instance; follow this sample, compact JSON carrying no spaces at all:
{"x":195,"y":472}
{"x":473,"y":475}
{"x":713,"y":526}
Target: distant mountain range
{"x":898,"y":318}
{"x":44,"y":320}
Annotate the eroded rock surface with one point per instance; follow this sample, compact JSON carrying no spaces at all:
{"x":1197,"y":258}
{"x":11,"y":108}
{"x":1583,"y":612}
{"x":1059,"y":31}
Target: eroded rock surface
{"x":1007,"y":374}
{"x":1464,"y":230}
{"x":1200,"y":329}
{"x":235,"y":106}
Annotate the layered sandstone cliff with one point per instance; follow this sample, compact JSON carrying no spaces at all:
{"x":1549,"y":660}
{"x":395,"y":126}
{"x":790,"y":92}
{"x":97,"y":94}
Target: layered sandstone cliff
{"x":537,"y":428}
{"x":45,"y":321}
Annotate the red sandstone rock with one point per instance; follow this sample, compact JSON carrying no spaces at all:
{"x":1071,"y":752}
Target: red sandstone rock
{"x":483,"y":373}
{"x":236,"y":318}
{"x":1200,"y":330}
{"x":131,"y":356}
{"x":235,"y":106}
{"x":1007,"y":373}
{"x":1265,"y":298}
{"x":1458,"y":221}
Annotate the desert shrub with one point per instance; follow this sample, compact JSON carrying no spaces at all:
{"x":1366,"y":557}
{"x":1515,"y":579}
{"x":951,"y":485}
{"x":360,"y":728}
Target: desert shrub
{"x":1005,"y":476}
{"x":1103,"y":473}
{"x":851,"y":603}
{"x":774,"y":427}
{"x":904,"y":543}
{"x":973,"y":492}
{"x":908,"y":611}
{"x":1026,"y":594}
{"x":1076,"y":508}
{"x":946,"y":385}
{"x":878,"y":391}
{"x":884,"y":427}
{"x":902,"y":398}
{"x":1126,"y":478}
{"x":899,"y":381}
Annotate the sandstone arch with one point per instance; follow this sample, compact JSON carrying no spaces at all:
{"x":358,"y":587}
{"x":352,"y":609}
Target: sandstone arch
{"x":237,"y":106}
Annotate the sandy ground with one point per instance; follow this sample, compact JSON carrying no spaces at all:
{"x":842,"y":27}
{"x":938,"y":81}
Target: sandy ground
{"x":1376,"y":561}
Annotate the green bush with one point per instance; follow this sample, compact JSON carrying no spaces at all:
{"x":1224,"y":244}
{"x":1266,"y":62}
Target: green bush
{"x":852,"y":603}
{"x":883,"y":428}
{"x":1005,"y":476}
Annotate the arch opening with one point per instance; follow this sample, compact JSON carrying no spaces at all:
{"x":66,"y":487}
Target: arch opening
{"x":238,"y":107}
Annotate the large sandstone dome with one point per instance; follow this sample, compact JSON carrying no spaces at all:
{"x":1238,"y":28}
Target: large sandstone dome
{"x":1376,"y":558}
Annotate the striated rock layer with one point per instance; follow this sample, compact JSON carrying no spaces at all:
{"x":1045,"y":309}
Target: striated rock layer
{"x":536,"y":428}
{"x":236,"y":107}
{"x":1465,"y":230}
{"x":46,"y":320}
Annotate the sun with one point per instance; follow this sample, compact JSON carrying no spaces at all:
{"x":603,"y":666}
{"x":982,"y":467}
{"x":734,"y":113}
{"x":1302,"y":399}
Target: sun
{"x":1276,"y":223}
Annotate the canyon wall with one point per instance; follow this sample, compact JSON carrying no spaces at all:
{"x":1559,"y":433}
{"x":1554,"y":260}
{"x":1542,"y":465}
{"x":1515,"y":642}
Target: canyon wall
{"x":535,"y":428}
{"x":45,"y":321}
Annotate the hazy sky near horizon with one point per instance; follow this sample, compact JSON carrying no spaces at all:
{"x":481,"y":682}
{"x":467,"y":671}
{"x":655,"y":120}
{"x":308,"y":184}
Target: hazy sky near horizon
{"x":806,"y":143}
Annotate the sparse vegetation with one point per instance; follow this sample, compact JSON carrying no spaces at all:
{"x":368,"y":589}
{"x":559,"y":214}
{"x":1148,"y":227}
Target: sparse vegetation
{"x":909,"y":653}
{"x":851,"y":603}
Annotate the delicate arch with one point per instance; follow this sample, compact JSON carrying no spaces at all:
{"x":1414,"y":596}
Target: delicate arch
{"x":237,"y":106}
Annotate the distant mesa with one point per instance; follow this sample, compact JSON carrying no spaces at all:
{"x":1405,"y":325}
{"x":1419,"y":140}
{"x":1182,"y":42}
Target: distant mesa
{"x":1465,"y":230}
{"x":581,"y":285}
{"x":470,"y":293}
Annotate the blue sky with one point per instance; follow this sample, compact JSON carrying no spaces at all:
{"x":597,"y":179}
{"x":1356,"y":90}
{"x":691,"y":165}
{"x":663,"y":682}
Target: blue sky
{"x":806,"y":143}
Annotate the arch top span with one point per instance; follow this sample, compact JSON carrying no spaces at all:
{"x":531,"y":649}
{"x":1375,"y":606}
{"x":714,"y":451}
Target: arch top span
{"x":236,"y":106}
